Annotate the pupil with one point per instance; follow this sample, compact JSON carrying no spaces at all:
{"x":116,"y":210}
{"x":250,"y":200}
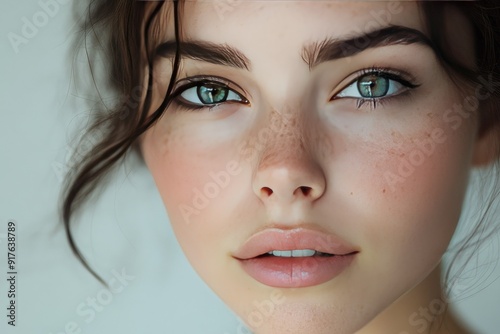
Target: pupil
{"x":373,"y":86}
{"x":212,"y":94}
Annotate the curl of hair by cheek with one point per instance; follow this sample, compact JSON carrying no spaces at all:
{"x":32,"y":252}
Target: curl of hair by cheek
{"x":122,"y":133}
{"x":122,"y":21}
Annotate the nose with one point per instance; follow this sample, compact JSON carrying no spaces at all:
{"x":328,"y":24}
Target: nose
{"x":289,"y":180}
{"x":286,"y":171}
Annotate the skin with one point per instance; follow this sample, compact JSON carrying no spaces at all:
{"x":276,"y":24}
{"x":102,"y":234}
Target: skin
{"x":344,"y":155}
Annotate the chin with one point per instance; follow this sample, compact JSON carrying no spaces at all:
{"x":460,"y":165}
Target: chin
{"x":302,"y":317}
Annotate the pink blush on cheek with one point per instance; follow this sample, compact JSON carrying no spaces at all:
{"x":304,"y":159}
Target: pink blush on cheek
{"x":195,"y":185}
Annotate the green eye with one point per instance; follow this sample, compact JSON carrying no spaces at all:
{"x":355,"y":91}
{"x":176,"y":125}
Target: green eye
{"x":372,"y":85}
{"x":375,"y":86}
{"x":210,"y":94}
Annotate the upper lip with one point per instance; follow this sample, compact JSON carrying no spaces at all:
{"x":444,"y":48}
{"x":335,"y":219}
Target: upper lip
{"x":290,"y":239}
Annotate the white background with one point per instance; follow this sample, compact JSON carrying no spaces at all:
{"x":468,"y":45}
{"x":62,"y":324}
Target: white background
{"x":126,"y":229}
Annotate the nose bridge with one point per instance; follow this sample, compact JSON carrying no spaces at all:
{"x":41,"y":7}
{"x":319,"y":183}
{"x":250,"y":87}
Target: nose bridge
{"x":286,"y":139}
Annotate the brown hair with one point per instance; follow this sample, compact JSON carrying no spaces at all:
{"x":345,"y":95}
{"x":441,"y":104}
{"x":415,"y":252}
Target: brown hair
{"x":122,"y":30}
{"x":125,"y":30}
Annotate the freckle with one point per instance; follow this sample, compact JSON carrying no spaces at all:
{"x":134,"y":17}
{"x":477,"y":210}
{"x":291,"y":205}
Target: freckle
{"x":351,"y":193}
{"x":383,"y":191}
{"x":402,"y":155}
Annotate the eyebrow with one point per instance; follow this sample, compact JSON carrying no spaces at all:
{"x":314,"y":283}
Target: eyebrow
{"x":313,"y":54}
{"x":219,"y":54}
{"x":333,"y":49}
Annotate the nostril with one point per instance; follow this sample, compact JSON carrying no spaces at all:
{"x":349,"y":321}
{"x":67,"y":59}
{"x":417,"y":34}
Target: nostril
{"x":306,"y":190}
{"x":266,"y":191}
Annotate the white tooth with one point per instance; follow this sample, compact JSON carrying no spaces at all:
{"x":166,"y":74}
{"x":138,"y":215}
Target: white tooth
{"x":293,"y":253}
{"x":282,"y":253}
{"x":303,"y":252}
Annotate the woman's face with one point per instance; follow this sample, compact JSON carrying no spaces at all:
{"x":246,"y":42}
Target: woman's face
{"x":312,"y":140}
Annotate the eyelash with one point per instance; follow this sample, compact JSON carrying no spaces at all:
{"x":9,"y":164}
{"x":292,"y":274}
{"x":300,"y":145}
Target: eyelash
{"x":387,"y":73}
{"x":400,"y":77}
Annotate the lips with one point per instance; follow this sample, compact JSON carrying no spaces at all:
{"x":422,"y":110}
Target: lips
{"x":294,"y":258}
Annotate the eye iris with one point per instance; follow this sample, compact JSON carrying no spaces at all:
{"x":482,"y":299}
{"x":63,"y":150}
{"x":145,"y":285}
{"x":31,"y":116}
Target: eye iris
{"x":210,"y":94}
{"x":373,"y":86}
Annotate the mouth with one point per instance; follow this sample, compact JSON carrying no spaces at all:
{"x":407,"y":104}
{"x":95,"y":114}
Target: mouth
{"x":294,"y":258}
{"x":296,"y":253}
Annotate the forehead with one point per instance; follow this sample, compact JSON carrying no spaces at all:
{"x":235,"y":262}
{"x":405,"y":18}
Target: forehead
{"x":265,"y":22}
{"x":271,"y":29}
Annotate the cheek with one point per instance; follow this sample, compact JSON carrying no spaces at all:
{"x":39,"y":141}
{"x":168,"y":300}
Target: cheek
{"x":402,"y":190}
{"x":418,"y":192}
{"x":198,"y":181}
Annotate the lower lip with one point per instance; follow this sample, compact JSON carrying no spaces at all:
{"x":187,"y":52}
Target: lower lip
{"x":296,"y":272}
